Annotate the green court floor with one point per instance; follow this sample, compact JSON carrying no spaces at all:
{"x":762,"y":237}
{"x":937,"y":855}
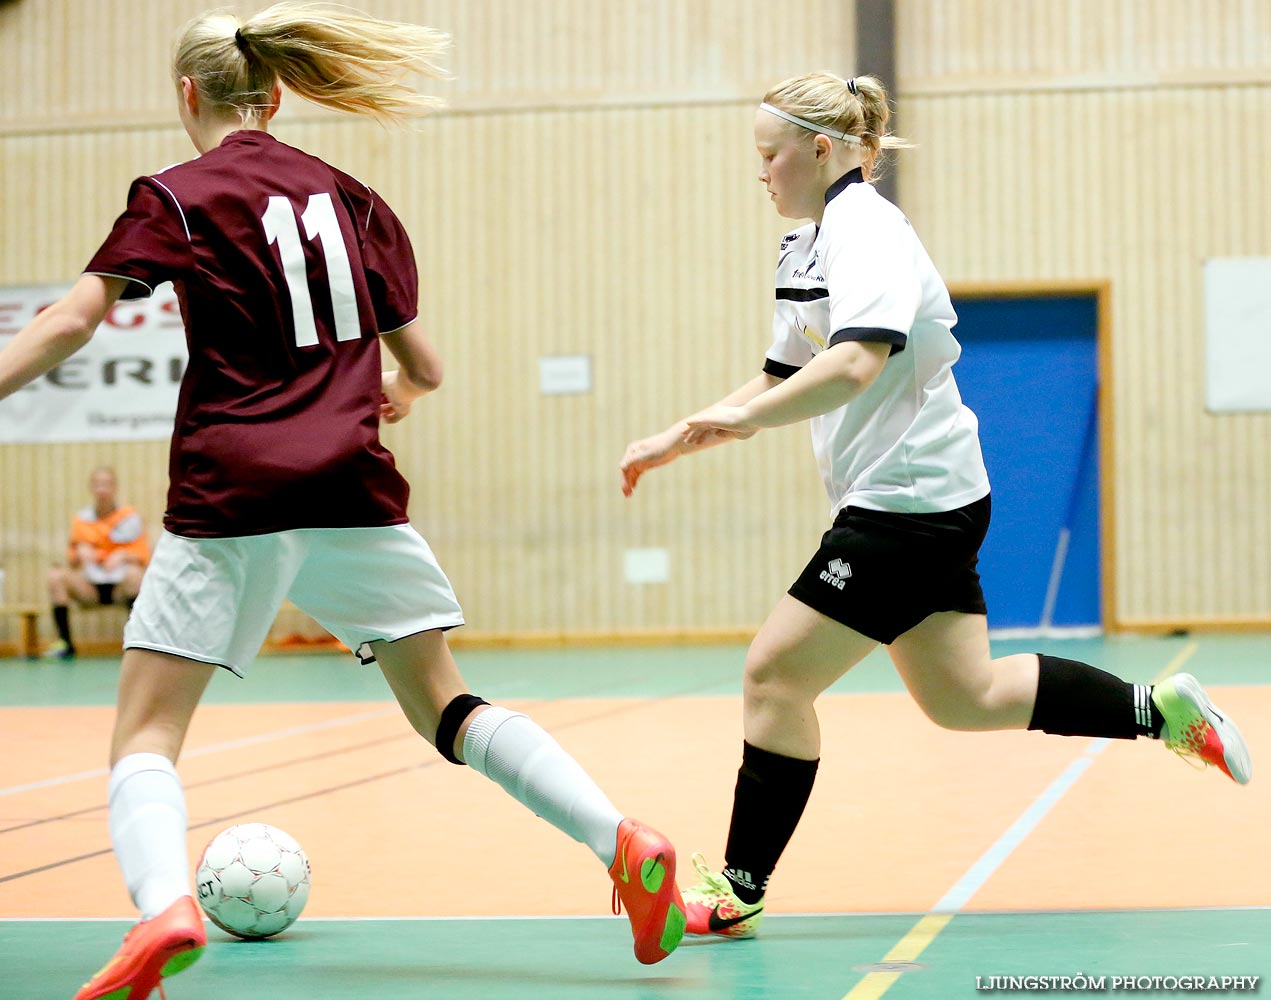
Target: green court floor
{"x":604,"y":672}
{"x":813,"y":957}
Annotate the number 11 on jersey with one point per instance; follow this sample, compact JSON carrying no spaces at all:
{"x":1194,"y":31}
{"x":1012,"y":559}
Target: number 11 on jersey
{"x":320,"y":221}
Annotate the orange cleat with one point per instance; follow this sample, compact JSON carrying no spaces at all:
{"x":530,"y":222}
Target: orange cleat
{"x":643,"y":874}
{"x":153,"y":950}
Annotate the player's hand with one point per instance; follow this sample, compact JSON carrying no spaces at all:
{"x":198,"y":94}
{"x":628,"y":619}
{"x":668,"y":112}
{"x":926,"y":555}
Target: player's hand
{"x":113,"y":560}
{"x":718,"y":421}
{"x":647,"y":453}
{"x":85,"y":554}
{"x":395,"y":402}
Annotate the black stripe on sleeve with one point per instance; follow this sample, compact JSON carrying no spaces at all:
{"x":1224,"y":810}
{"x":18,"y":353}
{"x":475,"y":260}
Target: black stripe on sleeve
{"x":802,"y":294}
{"x":778,"y":369}
{"x":870,"y":335}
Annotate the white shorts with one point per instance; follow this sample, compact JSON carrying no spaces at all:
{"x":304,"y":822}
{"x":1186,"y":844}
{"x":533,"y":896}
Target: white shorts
{"x":215,"y":599}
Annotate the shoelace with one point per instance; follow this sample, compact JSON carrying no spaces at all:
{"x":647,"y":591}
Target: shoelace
{"x":1189,"y":745}
{"x":717,"y":882}
{"x":615,"y":903}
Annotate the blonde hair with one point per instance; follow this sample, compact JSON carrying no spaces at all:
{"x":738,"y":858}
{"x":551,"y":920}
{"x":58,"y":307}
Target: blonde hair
{"x":332,"y":55}
{"x":857,"y":108}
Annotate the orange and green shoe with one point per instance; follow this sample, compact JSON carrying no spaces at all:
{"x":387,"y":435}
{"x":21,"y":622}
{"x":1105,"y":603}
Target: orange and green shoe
{"x":643,"y":874}
{"x":152,"y":951}
{"x":1195,"y":728}
{"x":713,"y":908}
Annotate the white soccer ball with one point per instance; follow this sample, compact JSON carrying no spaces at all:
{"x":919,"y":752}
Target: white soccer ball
{"x":253,"y":880}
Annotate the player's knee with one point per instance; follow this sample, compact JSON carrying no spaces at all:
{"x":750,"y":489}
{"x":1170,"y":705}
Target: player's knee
{"x":768,"y":680}
{"x":453,"y":716}
{"x":944,"y":715}
{"x":959,"y":710}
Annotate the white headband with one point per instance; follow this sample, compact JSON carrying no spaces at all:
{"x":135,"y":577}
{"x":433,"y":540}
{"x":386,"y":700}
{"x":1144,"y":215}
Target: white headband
{"x":813,"y":126}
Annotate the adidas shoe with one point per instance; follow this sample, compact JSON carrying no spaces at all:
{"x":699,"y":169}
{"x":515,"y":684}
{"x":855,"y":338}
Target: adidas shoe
{"x":153,"y":950}
{"x":1195,"y":728}
{"x":59,"y":651}
{"x":713,"y":907}
{"x":643,"y":874}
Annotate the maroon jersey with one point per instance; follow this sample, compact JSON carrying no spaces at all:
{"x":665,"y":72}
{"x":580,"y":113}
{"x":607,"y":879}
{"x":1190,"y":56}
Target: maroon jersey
{"x":286,"y":270}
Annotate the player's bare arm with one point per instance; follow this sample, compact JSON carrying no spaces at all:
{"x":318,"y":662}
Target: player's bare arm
{"x":831,"y":379}
{"x":420,"y":372}
{"x":57,"y":332}
{"x":649,"y":453}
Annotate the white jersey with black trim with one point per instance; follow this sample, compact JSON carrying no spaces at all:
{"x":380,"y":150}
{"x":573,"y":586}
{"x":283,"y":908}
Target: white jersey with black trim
{"x":907,"y":444}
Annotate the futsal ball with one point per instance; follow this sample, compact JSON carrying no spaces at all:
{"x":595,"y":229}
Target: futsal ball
{"x":253,"y":880}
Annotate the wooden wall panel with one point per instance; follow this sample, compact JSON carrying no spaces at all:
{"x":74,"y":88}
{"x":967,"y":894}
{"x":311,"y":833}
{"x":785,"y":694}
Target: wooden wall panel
{"x":79,"y":64}
{"x":1098,"y":185}
{"x":958,"y":46}
{"x":592,"y":191}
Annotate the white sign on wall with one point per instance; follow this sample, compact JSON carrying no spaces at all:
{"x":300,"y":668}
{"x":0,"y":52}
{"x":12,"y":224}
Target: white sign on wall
{"x":646,"y":565}
{"x":121,"y":386}
{"x":564,"y":374}
{"x":1238,"y":334}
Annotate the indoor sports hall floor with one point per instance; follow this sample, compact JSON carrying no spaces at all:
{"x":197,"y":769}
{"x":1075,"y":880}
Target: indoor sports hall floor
{"x":926,"y":858}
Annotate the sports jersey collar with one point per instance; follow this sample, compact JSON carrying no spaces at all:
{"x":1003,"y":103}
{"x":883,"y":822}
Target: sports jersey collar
{"x":856,"y":176}
{"x":246,"y":135}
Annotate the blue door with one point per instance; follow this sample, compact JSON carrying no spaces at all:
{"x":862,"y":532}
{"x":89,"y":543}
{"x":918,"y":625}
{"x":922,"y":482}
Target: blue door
{"x":1029,"y":371}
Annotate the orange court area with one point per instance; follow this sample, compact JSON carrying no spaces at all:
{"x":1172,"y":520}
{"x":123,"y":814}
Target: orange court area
{"x":901,"y":810}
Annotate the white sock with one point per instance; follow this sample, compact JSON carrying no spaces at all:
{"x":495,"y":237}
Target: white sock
{"x":515,"y":753}
{"x":147,"y":829}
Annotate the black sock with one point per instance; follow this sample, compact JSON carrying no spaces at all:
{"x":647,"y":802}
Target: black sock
{"x":772,"y":791}
{"x":1076,"y":699}
{"x":62,"y":619}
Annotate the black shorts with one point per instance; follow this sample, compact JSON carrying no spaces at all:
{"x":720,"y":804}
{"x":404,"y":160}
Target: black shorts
{"x":105,"y":593}
{"x":881,"y":573}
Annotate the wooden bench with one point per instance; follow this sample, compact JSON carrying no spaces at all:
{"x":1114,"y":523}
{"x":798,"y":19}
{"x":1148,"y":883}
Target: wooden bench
{"x":30,"y":618}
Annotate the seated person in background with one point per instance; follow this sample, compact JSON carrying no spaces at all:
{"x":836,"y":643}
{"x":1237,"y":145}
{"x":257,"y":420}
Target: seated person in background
{"x":106,"y":557}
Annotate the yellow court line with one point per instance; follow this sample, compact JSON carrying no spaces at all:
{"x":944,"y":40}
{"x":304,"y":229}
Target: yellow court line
{"x":909,"y":947}
{"x":1176,"y":664}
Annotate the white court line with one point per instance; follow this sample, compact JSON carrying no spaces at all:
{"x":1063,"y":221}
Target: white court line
{"x":246,"y":741}
{"x":929,"y":926}
{"x":991,"y":860}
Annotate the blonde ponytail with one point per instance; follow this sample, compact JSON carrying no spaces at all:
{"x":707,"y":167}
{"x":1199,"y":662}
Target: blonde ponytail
{"x":858,"y":107}
{"x":334,"y":56}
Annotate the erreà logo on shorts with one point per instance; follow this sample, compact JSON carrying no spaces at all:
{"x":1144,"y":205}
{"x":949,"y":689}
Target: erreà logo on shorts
{"x":837,"y":574}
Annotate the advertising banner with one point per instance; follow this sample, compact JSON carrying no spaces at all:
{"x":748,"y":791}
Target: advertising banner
{"x":122,"y":386}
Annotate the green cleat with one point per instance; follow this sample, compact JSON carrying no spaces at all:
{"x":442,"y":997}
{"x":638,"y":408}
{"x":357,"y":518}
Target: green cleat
{"x":1195,"y":728}
{"x":713,"y":907}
